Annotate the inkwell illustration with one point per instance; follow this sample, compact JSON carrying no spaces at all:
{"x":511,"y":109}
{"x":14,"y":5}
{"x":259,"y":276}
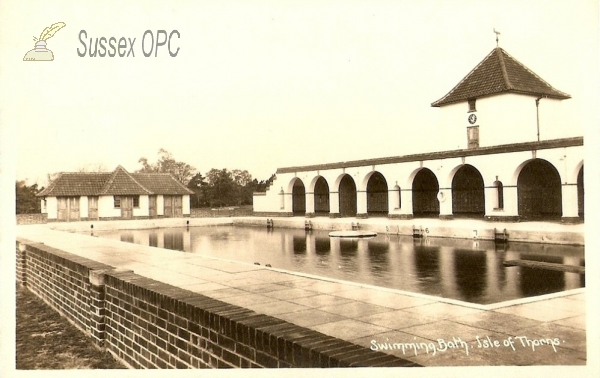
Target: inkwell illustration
{"x":40,"y":52}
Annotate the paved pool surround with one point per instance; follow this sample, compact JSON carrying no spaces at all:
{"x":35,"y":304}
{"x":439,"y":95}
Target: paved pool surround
{"x":162,"y":308}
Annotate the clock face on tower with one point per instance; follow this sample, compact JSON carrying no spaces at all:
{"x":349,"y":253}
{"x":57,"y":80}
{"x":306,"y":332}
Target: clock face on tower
{"x":472,"y":119}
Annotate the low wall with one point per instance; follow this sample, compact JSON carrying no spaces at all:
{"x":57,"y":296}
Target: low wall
{"x":149,"y":324}
{"x":36,"y":218}
{"x":221,"y":212}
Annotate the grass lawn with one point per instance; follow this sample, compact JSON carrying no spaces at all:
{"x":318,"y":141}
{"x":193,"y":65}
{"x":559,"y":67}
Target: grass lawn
{"x":45,"y":340}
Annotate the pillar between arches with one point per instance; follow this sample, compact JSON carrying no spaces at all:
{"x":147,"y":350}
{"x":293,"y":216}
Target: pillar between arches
{"x":310,"y":203}
{"x":334,"y":205}
{"x":406,"y":206}
{"x":445,"y":199}
{"x":510,"y":212}
{"x":570,"y":208}
{"x":361,"y":204}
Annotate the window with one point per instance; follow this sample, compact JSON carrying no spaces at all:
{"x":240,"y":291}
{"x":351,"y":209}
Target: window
{"x":472,"y":106}
{"x":136,"y":201}
{"x":473,"y":137}
{"x":499,"y":195}
{"x":117,"y":201}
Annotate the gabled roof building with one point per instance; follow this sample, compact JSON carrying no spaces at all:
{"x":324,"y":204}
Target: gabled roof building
{"x":114,"y":195}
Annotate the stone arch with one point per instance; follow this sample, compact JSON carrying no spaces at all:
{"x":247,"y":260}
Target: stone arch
{"x":425,"y":188}
{"x":321,"y":196}
{"x":539,"y":190}
{"x":377,"y":194}
{"x":347,"y":196}
{"x":468,"y":199}
{"x":298,"y":197}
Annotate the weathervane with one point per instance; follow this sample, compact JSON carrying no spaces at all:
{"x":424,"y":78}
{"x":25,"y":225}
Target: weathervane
{"x":497,"y":34}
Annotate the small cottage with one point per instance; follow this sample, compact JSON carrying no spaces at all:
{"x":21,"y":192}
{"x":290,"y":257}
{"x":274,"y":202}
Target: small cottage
{"x":82,"y":196}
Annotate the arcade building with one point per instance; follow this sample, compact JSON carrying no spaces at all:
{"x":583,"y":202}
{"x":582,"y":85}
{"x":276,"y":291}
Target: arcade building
{"x":504,"y":168}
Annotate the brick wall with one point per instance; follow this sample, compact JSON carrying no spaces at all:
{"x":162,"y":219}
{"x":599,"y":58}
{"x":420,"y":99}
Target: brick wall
{"x":149,"y":324}
{"x":32,"y":218}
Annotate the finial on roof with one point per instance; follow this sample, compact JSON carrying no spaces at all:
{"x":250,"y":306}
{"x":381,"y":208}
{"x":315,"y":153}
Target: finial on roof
{"x":497,"y":34}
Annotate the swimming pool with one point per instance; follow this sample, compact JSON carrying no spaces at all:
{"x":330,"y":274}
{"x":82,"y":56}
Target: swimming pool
{"x":466,"y":270}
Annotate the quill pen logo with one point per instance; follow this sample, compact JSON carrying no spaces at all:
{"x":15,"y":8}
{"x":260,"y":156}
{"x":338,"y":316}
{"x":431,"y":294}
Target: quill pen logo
{"x":40,"y":52}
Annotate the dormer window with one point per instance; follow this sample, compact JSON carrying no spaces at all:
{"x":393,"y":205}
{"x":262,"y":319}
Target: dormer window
{"x":472,"y":106}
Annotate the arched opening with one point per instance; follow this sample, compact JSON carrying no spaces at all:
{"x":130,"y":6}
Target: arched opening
{"x":580,"y":196}
{"x":467,"y":193}
{"x":424,"y":191}
{"x":347,"y":197}
{"x":298,"y":198}
{"x":397,"y":197}
{"x":377,"y":195}
{"x":499,"y":202}
{"x":321,"y":197}
{"x":539,"y":191}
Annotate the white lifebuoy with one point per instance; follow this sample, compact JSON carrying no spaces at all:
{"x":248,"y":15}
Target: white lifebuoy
{"x":441,"y":196}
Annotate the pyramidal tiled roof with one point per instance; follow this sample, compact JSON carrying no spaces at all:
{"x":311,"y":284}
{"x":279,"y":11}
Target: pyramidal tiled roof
{"x":119,"y":182}
{"x":499,"y":73}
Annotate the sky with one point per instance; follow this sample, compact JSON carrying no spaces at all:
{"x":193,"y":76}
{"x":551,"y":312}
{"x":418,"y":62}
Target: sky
{"x":266,"y":84}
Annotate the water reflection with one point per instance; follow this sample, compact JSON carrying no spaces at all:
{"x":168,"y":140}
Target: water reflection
{"x":470,"y":273}
{"x":466,"y":270}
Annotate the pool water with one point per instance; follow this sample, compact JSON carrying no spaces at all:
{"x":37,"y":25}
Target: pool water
{"x":466,"y":270}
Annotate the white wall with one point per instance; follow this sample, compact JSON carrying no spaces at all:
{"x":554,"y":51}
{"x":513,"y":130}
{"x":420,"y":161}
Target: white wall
{"x":185,"y":203}
{"x":52,"y":207}
{"x":83,"y":207}
{"x":502,"y":119}
{"x":143,"y":210}
{"x":160,"y":205}
{"x":106,"y":207}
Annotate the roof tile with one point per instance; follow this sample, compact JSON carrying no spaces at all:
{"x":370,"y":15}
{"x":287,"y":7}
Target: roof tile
{"x":119,"y":182}
{"x":499,"y":73}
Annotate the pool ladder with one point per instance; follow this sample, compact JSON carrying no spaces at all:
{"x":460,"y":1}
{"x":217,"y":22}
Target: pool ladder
{"x":500,"y":237}
{"x":307,"y":225}
{"x":418,"y":233}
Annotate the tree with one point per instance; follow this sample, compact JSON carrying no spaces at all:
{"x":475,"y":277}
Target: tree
{"x":181,"y":171}
{"x":26,"y":201}
{"x":263,"y":185}
{"x":221,"y":188}
{"x":199,"y":186}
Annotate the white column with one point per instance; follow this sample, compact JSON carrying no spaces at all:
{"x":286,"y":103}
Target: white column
{"x":406,"y":201}
{"x":569,"y":201}
{"x":361,"y":202}
{"x":310,"y":202}
{"x":334,"y":202}
{"x":445,"y":198}
{"x":511,"y":201}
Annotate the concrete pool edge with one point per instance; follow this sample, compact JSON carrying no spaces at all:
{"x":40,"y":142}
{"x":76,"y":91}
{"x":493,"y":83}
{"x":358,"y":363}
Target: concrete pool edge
{"x":470,"y":229}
